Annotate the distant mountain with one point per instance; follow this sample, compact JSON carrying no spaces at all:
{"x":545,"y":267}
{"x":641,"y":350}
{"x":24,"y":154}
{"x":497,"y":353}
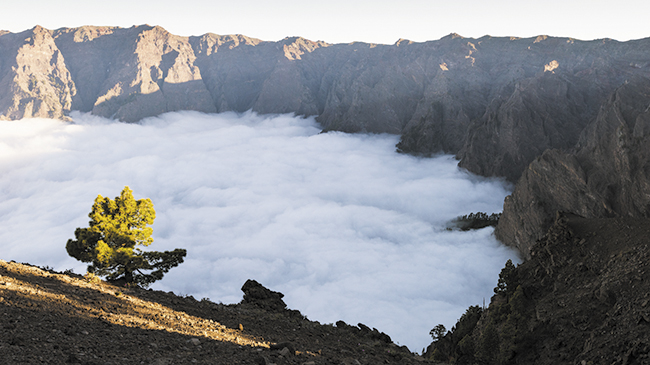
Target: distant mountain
{"x":568,"y":121}
{"x":497,"y":103}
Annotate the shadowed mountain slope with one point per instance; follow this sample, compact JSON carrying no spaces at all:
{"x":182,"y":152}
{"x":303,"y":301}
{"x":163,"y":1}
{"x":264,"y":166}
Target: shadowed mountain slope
{"x":582,"y":298}
{"x":606,"y":175}
{"x":497,"y":103}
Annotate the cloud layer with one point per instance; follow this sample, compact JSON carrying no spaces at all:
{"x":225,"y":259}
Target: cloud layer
{"x":342,"y":225}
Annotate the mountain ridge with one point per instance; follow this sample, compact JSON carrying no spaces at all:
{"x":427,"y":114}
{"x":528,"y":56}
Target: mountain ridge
{"x":456,"y":95}
{"x":566,"y":121}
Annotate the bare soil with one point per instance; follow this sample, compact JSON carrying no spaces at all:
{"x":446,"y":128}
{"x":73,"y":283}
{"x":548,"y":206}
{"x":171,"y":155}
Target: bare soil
{"x":54,"y":318}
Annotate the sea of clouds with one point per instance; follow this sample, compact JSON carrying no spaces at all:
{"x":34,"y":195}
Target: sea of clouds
{"x":344,"y":226}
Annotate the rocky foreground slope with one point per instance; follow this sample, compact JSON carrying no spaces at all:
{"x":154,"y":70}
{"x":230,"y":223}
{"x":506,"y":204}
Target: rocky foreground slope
{"x":52,"y":318}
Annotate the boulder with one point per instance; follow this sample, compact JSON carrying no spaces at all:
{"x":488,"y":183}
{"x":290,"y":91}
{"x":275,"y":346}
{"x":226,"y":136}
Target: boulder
{"x":256,"y":294}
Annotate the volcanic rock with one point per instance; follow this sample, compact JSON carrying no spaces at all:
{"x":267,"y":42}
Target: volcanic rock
{"x":607,"y":174}
{"x":49,"y":317}
{"x":585,"y":286}
{"x":257,"y":295}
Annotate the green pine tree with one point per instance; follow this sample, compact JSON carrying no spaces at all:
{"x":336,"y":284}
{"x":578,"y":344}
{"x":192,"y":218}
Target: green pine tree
{"x":109,"y":244}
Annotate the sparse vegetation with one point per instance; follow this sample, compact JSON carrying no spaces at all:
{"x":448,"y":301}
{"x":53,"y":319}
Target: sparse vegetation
{"x":508,"y":280}
{"x":92,"y":278}
{"x":109,"y":244}
{"x":502,"y":331}
{"x":456,"y":346}
{"x":475,"y":221}
{"x":52,"y":318}
{"x":438,"y":332}
{"x":33,"y":83}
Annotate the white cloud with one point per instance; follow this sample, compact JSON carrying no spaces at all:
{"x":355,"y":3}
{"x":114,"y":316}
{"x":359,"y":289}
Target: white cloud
{"x":341,"y":224}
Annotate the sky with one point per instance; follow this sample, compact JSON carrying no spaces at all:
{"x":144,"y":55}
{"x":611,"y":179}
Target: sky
{"x":341,"y":224}
{"x":344,"y":21}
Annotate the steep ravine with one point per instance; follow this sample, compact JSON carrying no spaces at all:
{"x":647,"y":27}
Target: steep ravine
{"x":581,"y":298}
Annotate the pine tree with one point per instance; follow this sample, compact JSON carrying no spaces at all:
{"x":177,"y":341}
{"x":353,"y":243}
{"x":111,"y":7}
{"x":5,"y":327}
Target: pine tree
{"x":508,"y":280}
{"x":109,"y":244}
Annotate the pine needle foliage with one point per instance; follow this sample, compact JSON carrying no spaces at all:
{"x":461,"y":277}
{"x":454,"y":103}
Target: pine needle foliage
{"x":116,"y":228}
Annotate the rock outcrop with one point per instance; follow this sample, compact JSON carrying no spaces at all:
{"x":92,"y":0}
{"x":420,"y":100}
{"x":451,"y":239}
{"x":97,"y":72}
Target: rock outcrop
{"x":606,"y":175}
{"x":585,"y":295}
{"x":258,"y":295}
{"x":34,"y":78}
{"x":497,"y":103}
{"x":581,"y":298}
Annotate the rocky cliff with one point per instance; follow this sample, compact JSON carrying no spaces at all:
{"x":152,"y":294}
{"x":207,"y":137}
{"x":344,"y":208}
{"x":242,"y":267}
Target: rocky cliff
{"x":34,"y":79}
{"x":606,"y":175}
{"x":497,"y":103}
{"x":581,"y":298}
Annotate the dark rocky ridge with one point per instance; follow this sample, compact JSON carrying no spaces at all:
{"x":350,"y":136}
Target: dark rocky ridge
{"x":606,"y":175}
{"x":582,"y":298}
{"x":497,"y":103}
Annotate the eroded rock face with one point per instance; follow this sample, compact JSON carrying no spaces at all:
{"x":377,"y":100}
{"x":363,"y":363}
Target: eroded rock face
{"x":607,"y":175}
{"x":497,"y":103}
{"x":585,"y":297}
{"x":34,"y":78}
{"x":130,"y":74}
{"x":546,"y":111}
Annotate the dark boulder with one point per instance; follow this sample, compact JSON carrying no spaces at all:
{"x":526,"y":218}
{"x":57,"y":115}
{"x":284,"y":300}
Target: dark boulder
{"x":257,"y":295}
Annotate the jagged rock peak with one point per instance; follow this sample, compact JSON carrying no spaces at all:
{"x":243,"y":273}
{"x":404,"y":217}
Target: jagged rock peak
{"x":302,"y":40}
{"x":38,"y":35}
{"x":403,"y":42}
{"x":210,"y":43}
{"x":39,"y":29}
{"x":36,"y":81}
{"x":294,"y":47}
{"x":540,"y":38}
{"x":452,"y":36}
{"x":85,"y":33}
{"x":156,"y":28}
{"x":606,"y":175}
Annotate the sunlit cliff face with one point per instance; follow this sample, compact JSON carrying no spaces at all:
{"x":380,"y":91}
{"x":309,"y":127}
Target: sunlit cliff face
{"x":342,"y":225}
